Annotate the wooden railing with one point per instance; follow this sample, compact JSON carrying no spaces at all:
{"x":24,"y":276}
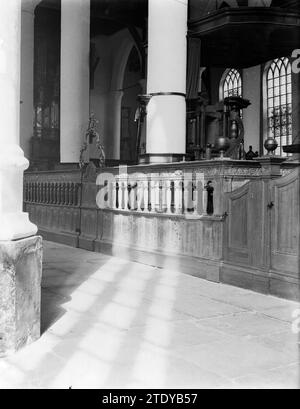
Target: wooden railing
{"x":156,"y":194}
{"x":73,"y":206}
{"x":53,"y":201}
{"x":167,"y":214}
{"x":52,"y":193}
{"x":174,"y":189}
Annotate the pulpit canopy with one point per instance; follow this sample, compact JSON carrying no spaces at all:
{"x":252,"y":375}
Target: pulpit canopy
{"x":244,"y":33}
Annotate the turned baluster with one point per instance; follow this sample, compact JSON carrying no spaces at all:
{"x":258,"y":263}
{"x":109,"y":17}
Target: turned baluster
{"x":37,"y":190}
{"x":125,"y":191}
{"x":25,"y":191}
{"x":65,"y":194}
{"x":145,"y":189}
{"x":118,"y":200}
{"x":41,"y":193}
{"x":132,"y":195}
{"x":46,"y":193}
{"x":51,"y":193}
{"x":28,"y":192}
{"x":126,"y":195}
{"x":178,"y":196}
{"x":157,"y":196}
{"x":188,"y":205}
{"x":168,"y":190}
{"x":60,"y":195}
{"x":140,"y":201}
{"x":121,"y":195}
{"x":34,"y":192}
{"x":77,"y":194}
{"x":69,"y":195}
{"x":113,"y":196}
{"x":54,"y":193}
{"x":109,"y":194}
{"x":163,"y":195}
{"x":152,"y":195}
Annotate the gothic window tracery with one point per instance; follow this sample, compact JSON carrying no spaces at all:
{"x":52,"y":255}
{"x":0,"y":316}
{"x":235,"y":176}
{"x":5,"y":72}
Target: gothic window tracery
{"x":279,"y":102}
{"x":232,"y":84}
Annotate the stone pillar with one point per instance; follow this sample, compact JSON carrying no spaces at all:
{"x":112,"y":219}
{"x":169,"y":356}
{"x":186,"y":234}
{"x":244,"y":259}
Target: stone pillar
{"x":14,"y":223}
{"x":27,"y":62}
{"x":20,"y":250}
{"x":75,"y":82}
{"x":167,"y":56}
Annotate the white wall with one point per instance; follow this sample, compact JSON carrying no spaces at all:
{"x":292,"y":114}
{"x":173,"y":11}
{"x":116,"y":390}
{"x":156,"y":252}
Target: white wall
{"x":106,"y":97}
{"x":252,"y":115}
{"x":102,"y":81}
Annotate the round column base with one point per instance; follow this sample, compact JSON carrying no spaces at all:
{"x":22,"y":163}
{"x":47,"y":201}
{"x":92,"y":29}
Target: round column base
{"x":16,"y":226}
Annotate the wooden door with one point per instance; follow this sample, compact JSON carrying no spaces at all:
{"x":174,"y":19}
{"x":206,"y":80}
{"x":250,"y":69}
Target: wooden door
{"x":285,"y":220}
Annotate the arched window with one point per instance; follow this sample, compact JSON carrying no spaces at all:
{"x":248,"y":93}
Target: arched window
{"x":231,"y":84}
{"x":279,"y":102}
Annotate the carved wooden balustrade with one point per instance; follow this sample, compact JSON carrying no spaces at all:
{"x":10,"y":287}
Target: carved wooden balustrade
{"x":52,"y":193}
{"x":53,"y":201}
{"x":164,"y":215}
{"x":174,"y":189}
{"x":160,"y":214}
{"x":156,"y":194}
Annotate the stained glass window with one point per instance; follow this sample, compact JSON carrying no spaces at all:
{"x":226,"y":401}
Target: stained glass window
{"x":232,"y":85}
{"x":279,"y":102}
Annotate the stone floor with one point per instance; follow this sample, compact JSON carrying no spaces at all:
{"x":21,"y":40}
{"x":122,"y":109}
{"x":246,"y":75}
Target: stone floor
{"x":107,"y":322}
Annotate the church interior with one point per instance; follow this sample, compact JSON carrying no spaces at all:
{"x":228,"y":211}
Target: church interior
{"x":164,"y":135}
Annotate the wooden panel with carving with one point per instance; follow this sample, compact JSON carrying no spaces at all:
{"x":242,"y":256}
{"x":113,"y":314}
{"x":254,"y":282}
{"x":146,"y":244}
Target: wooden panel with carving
{"x":285,"y":220}
{"x":244,"y":233}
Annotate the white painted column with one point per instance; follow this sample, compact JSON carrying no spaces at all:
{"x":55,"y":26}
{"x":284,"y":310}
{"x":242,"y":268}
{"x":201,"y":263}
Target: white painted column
{"x":75,"y":82}
{"x":27,"y":63}
{"x":14,"y":224}
{"x":167,"y":57}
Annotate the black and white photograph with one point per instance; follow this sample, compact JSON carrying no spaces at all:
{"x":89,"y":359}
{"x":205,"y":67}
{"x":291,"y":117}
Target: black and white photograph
{"x":149,"y":197}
